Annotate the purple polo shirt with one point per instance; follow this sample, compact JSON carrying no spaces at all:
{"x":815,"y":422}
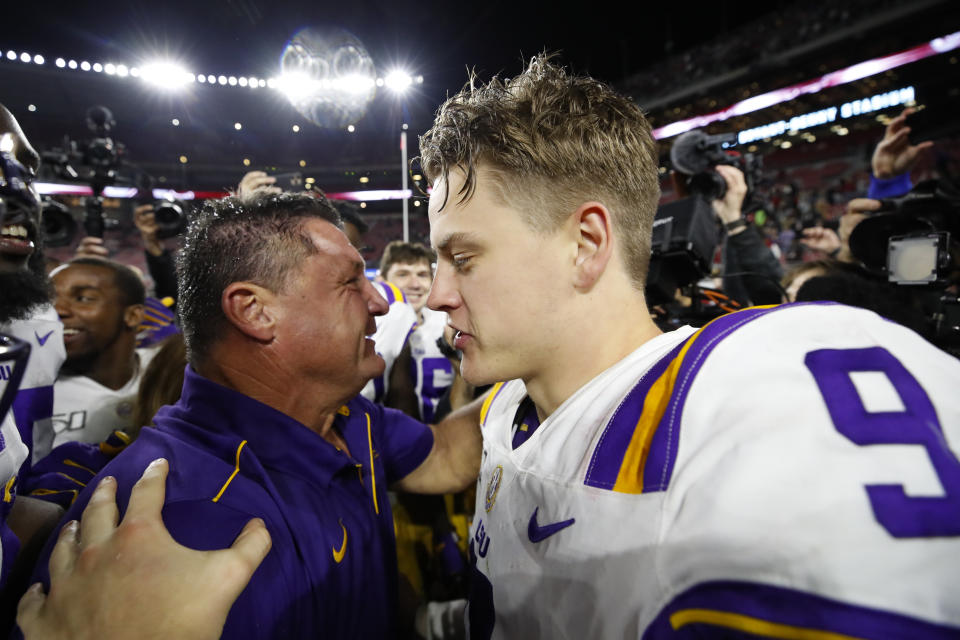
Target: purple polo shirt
{"x":332,"y":570}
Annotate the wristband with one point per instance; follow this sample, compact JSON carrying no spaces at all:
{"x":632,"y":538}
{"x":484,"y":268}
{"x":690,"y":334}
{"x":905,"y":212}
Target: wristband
{"x":739,"y":223}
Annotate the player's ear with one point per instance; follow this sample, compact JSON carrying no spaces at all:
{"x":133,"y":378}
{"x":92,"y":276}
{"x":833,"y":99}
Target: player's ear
{"x":133,"y":316}
{"x":594,"y":229}
{"x":247,"y":307}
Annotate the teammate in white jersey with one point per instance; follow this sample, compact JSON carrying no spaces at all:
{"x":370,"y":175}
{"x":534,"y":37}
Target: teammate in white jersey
{"x":409,"y":265}
{"x":100,"y":303}
{"x":27,"y":322}
{"x":788,"y":472}
{"x":393,"y":329}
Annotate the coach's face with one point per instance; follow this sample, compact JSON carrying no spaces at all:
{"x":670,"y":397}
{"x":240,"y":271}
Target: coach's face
{"x":325,"y":314}
{"x":21,"y":226}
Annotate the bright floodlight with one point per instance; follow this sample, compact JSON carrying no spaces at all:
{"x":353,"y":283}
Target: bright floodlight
{"x":25,"y":57}
{"x":72,"y":64}
{"x":297,"y":86}
{"x":164,"y":75}
{"x":110,"y":68}
{"x":122,"y":70}
{"x":398,"y":81}
{"x":60,"y":62}
{"x":85,"y":65}
{"x":11,"y":55}
{"x":38,"y":59}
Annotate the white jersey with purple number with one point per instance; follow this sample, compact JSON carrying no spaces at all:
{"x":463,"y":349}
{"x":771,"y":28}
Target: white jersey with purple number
{"x":392,"y":332}
{"x":786,"y":472}
{"x":433,"y":372}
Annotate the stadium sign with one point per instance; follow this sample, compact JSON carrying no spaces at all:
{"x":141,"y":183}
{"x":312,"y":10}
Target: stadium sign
{"x":819,"y":117}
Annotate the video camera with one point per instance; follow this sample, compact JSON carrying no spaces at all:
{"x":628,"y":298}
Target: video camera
{"x":913,"y":241}
{"x":101,"y":160}
{"x":695,"y":154}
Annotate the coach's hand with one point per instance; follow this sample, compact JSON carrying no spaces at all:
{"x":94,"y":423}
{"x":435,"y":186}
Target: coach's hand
{"x":108,"y":581}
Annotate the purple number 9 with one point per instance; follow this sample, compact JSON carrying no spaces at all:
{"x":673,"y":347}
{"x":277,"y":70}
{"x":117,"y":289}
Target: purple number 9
{"x":901,"y":515}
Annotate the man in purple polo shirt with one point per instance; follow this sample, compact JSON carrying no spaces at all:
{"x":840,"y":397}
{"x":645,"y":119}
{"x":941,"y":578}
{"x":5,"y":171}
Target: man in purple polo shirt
{"x":275,"y":311}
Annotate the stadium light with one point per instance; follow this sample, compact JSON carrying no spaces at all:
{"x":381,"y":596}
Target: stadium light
{"x":164,"y":75}
{"x":398,"y":81}
{"x":296,"y":86}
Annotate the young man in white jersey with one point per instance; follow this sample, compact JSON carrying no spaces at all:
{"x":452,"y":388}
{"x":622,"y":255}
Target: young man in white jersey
{"x":786,"y":471}
{"x":100,"y":303}
{"x":30,"y":332}
{"x":409,"y":265}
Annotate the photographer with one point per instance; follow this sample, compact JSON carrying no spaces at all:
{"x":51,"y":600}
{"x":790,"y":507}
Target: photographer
{"x":744,"y":250}
{"x":159,"y":259}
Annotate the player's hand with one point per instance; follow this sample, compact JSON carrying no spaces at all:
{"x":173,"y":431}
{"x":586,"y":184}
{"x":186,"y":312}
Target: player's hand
{"x":730,"y":208}
{"x":821,"y":239}
{"x":91,"y":247}
{"x":894,"y":154}
{"x":257,"y":181}
{"x":146,"y":222}
{"x":107,"y":581}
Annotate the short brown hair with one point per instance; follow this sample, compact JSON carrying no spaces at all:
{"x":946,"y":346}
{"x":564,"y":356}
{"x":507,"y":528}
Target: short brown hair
{"x":405,"y":253}
{"x":553,"y":140}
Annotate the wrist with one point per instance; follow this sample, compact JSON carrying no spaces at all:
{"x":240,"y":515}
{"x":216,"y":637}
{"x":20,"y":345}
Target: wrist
{"x":736,"y":226}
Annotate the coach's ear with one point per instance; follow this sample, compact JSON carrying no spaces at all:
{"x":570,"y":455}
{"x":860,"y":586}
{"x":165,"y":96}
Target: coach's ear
{"x":246,"y":306}
{"x":594,"y":229}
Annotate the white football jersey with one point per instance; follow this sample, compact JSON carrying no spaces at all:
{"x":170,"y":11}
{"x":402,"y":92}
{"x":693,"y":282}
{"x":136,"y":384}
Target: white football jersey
{"x":433,"y":371}
{"x":788,"y":472}
{"x":392,"y":332}
{"x":44,"y":333}
{"x":86,"y":411}
{"x":34,"y":400}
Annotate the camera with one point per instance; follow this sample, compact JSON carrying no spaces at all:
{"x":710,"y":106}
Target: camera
{"x":695,"y":153}
{"x":169,"y":213}
{"x":913,"y":241}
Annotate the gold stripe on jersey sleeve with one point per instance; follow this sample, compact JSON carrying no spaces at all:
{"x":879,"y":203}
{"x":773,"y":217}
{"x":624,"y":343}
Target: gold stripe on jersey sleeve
{"x":489,"y":400}
{"x":236,"y":470}
{"x":8,"y":489}
{"x":749,"y":624}
{"x":397,"y":293}
{"x":630,"y":477}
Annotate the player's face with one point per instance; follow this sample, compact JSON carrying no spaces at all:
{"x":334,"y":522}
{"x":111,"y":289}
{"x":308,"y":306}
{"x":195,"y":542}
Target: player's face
{"x":499,"y":280}
{"x":90,"y":307}
{"x":413,"y":279}
{"x":326,"y":311}
{"x":20,"y":232}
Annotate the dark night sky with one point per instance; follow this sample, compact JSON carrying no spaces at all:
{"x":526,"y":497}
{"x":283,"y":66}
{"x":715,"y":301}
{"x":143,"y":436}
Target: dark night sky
{"x":438,"y":40}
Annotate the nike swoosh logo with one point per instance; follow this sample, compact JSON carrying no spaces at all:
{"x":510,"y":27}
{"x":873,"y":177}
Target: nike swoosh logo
{"x":339,"y":553}
{"x":536,"y":533}
{"x":44,"y":339}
